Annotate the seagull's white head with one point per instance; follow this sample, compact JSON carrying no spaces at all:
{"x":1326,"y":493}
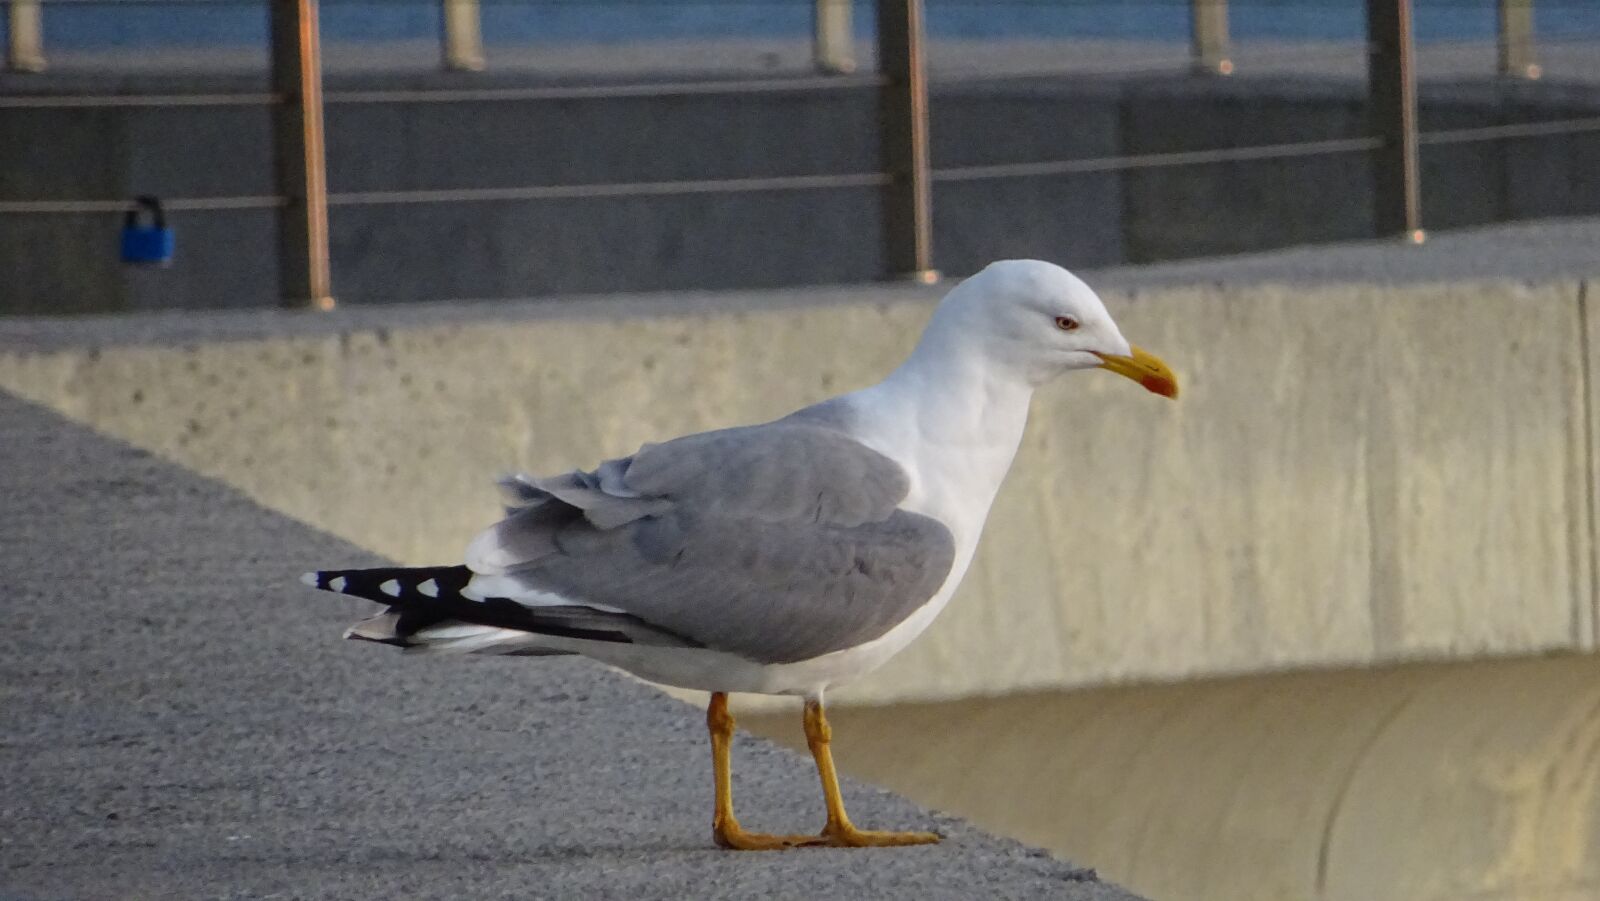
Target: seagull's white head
{"x":1037,"y":320}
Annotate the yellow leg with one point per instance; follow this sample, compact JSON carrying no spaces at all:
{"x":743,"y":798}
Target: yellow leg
{"x":724,"y":826}
{"x":840,"y":832}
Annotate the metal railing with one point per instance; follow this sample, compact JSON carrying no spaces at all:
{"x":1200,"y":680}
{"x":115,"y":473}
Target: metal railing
{"x":905,"y":178}
{"x":300,"y":168}
{"x":300,"y":155}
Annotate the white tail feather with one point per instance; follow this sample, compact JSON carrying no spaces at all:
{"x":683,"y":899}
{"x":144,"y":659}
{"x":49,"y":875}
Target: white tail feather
{"x":466,"y":638}
{"x":377,"y":628}
{"x":511,"y":587}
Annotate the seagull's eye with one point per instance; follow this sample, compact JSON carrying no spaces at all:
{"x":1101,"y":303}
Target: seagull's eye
{"x":1066,"y":323}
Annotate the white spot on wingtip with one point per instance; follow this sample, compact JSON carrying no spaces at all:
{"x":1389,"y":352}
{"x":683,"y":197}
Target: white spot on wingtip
{"x":309,"y":579}
{"x":338,"y":583}
{"x":429,"y":588}
{"x":391,"y":588}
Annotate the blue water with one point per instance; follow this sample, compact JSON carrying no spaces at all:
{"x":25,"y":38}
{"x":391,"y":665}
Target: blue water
{"x":121,"y":23}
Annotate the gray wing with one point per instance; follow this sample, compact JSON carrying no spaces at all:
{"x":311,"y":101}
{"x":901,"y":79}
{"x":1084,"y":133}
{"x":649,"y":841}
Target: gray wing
{"x":778,"y":542}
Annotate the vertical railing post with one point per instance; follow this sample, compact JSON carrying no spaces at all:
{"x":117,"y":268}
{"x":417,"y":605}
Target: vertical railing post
{"x":903,"y":133}
{"x":1392,"y":106}
{"x":463,"y":35}
{"x":1518,"y":59}
{"x":1208,"y":37}
{"x":25,"y":36}
{"x":833,"y":44}
{"x":299,"y":162}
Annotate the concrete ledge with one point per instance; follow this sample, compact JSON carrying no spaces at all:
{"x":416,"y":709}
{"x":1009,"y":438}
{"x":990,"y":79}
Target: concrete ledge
{"x":1357,"y":474}
{"x":181,"y":720}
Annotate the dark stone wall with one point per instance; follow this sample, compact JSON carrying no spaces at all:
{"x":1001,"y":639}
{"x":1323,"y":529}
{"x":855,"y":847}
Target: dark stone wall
{"x":393,"y":252}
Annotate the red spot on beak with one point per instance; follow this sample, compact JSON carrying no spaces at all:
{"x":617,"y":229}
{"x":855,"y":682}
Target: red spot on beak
{"x":1160,"y":385}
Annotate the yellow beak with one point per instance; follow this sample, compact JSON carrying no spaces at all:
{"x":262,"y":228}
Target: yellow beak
{"x":1145,"y":368}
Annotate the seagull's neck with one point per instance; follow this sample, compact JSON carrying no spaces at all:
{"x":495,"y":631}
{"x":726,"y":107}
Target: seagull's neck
{"x":956,"y":420}
{"x":960,"y":400}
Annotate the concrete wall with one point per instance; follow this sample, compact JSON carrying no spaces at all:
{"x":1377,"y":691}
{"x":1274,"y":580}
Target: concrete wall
{"x":386,"y":253}
{"x":1356,"y":474}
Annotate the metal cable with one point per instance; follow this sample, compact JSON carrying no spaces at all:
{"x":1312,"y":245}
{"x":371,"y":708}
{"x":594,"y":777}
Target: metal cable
{"x":814,"y":182}
{"x":181,"y":204}
{"x":632,"y":89}
{"x":1517,"y":130}
{"x":622,"y":189}
{"x":56,"y":101}
{"x":1158,"y":160}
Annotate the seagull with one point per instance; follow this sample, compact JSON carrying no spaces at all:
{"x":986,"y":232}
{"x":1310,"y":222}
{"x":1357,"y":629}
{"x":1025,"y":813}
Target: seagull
{"x":780,"y":558}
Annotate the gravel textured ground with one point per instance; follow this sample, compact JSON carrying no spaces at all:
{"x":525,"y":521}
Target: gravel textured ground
{"x":181,"y":720}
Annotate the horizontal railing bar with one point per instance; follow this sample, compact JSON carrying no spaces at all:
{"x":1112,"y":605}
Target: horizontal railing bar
{"x":623,"y":189}
{"x":814,"y":182}
{"x":1157,"y":160}
{"x":58,"y":101}
{"x":1516,"y":130}
{"x":180,"y":204}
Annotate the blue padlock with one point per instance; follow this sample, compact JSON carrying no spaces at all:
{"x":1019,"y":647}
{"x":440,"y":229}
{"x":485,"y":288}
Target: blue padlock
{"x":146,"y":239}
